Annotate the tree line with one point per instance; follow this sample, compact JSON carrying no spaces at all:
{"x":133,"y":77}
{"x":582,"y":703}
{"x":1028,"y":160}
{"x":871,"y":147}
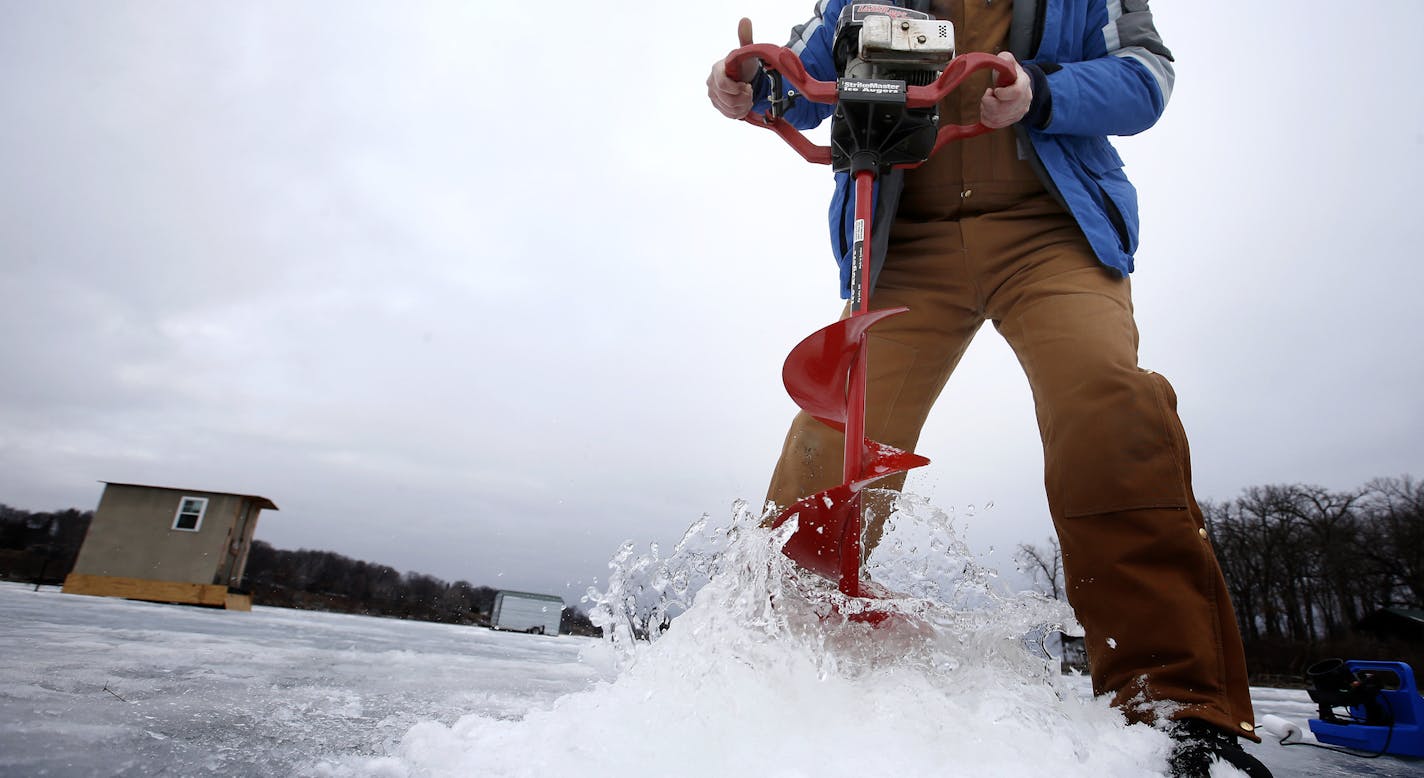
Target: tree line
{"x":41,"y":547}
{"x":324,"y":580}
{"x":1310,"y":571}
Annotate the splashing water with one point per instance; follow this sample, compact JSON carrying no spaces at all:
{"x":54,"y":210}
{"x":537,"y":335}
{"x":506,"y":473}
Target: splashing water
{"x":723,"y":658}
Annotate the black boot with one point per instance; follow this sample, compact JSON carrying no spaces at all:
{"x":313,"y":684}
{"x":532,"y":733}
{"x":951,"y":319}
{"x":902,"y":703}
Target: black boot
{"x":1196,"y":744}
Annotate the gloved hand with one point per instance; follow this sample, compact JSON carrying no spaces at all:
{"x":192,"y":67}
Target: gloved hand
{"x":1001,"y":106}
{"x":733,"y":97}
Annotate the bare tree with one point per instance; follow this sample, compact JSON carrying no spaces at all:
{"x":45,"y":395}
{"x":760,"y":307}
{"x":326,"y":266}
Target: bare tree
{"x":1043,"y":566}
{"x":1394,"y":510}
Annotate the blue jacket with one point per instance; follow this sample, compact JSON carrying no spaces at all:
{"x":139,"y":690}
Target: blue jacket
{"x":1106,"y":72}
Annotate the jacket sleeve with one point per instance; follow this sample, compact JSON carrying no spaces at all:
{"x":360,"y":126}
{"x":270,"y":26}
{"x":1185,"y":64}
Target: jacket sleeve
{"x":1122,"y":85}
{"x":813,"y":43}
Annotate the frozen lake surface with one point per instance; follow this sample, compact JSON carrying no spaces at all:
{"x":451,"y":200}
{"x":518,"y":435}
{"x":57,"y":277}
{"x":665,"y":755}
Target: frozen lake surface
{"x":96,"y":686}
{"x":100,"y":686}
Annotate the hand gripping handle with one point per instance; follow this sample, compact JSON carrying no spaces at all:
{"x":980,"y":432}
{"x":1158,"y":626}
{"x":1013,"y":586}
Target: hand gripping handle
{"x":784,"y":61}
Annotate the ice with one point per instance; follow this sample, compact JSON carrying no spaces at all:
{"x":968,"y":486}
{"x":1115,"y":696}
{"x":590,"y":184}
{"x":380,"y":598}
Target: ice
{"x":272,"y":692}
{"x":759,"y":673}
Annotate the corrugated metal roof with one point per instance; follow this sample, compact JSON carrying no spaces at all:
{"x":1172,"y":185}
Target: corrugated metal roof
{"x":259,"y":500}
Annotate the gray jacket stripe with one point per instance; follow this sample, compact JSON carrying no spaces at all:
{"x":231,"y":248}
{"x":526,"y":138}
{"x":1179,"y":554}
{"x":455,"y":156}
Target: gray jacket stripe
{"x":1130,"y":33}
{"x":1160,"y":68}
{"x":801,"y":33}
{"x":1110,"y":30}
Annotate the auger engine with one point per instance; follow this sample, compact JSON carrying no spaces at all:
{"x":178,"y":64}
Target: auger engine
{"x":880,"y":51}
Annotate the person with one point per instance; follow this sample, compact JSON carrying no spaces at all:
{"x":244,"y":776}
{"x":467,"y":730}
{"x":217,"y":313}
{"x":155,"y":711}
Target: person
{"x":1033,"y":227}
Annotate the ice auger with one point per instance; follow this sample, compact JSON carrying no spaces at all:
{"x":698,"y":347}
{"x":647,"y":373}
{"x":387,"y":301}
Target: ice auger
{"x":896,"y":66}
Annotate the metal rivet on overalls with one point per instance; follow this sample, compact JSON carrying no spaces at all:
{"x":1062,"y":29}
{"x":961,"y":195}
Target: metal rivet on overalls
{"x":1248,"y":726}
{"x":1202,"y":532}
{"x":966,"y":193}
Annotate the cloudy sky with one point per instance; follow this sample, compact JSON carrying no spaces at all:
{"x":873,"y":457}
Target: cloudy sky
{"x":482,"y":290}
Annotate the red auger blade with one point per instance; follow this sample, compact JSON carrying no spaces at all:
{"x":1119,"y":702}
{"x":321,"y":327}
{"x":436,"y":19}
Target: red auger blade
{"x":817,"y":371}
{"x":817,"y":375}
{"x":829,"y":523}
{"x":821,"y":523}
{"x":882,"y":460}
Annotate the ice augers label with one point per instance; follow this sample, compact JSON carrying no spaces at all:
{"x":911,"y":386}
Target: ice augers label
{"x":872,"y":90}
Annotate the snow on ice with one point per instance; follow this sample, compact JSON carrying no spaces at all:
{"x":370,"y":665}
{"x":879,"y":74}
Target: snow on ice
{"x":759,"y":673}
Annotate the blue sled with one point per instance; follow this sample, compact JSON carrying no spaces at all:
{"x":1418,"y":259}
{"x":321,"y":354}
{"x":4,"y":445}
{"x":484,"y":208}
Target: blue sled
{"x":1404,"y":738}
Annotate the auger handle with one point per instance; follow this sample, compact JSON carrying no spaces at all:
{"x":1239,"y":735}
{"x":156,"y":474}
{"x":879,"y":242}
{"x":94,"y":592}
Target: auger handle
{"x":784,"y":61}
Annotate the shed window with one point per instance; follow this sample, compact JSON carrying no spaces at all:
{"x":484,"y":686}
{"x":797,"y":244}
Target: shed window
{"x":190,"y":513}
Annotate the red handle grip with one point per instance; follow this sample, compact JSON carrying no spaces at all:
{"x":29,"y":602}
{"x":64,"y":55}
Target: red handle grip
{"x":785,"y":62}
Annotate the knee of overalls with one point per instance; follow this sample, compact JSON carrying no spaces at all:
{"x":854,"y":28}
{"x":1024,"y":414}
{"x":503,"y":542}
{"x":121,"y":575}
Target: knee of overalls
{"x":1112,"y":442}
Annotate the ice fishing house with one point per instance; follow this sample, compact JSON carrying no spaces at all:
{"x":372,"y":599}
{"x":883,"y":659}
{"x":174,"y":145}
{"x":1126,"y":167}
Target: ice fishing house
{"x":168,"y":545}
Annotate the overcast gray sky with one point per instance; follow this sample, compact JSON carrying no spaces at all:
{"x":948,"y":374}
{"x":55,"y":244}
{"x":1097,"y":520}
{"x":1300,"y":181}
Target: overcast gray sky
{"x":482,"y":290}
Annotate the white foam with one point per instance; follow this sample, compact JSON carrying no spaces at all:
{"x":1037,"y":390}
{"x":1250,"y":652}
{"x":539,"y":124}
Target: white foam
{"x":762,"y":674}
